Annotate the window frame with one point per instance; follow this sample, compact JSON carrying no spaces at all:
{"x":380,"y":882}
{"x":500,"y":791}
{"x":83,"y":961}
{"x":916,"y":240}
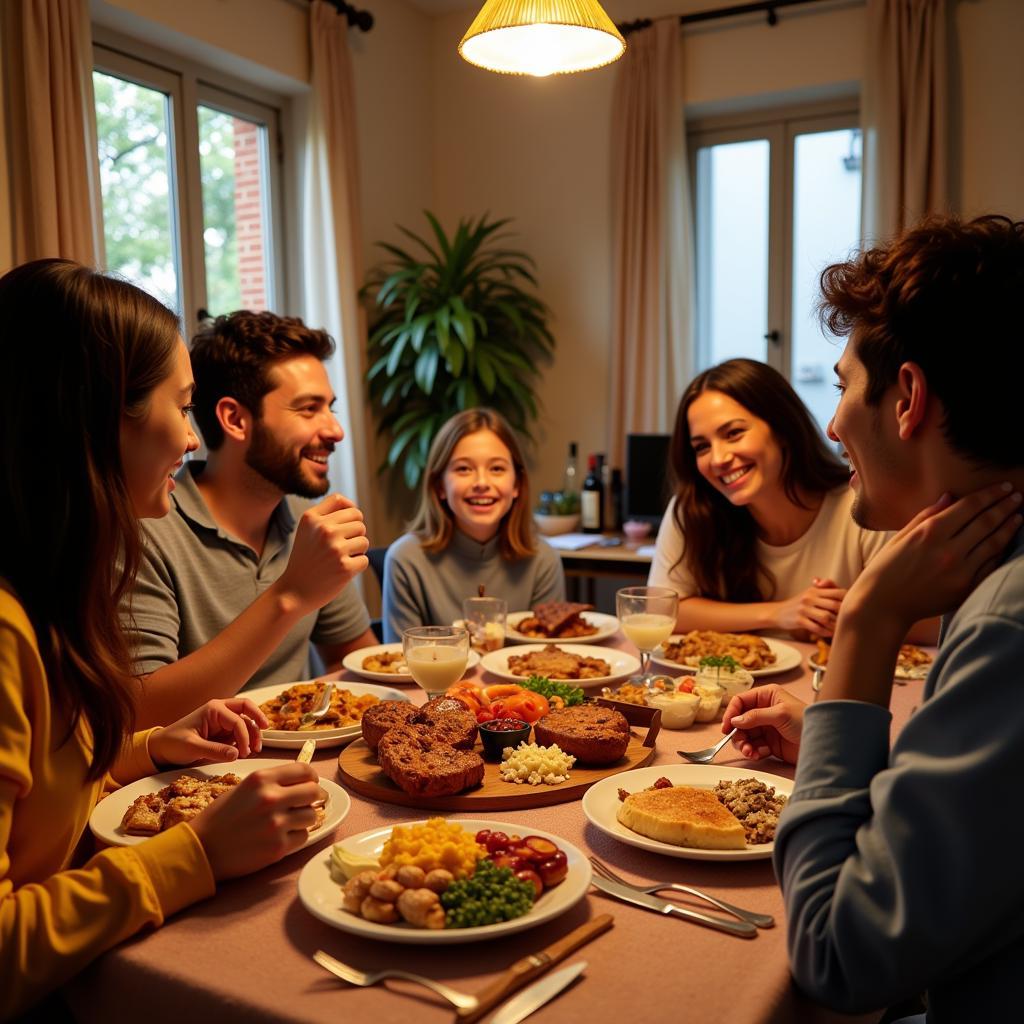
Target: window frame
{"x":189,"y":85}
{"x":779,"y":126}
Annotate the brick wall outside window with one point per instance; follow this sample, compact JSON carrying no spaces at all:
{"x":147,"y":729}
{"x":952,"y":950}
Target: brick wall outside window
{"x":249,"y":215}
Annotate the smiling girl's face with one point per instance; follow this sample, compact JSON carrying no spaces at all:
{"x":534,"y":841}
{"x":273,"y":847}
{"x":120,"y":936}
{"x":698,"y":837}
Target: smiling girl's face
{"x":735,"y":450}
{"x":479,"y":484}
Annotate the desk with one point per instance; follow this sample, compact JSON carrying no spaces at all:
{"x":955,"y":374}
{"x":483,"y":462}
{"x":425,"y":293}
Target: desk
{"x":245,"y":954}
{"x":582,"y":566}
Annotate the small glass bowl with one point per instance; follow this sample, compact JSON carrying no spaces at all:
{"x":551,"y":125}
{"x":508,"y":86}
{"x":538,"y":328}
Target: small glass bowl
{"x":678,"y":710}
{"x":500,"y":733}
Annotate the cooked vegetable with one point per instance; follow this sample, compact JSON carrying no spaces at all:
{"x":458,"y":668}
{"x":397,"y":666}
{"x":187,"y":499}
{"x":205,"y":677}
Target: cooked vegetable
{"x":725,"y":661}
{"x":493,"y":894}
{"x":545,"y":687}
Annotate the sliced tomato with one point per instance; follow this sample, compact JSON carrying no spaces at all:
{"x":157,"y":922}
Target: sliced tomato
{"x":528,"y":706}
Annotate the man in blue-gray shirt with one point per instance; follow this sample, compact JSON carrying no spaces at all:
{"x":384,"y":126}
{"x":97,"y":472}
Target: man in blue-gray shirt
{"x":900,"y":865}
{"x":239,"y":577}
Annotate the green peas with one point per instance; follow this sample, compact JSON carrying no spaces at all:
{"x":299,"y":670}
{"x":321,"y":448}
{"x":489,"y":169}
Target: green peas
{"x":492,"y":894}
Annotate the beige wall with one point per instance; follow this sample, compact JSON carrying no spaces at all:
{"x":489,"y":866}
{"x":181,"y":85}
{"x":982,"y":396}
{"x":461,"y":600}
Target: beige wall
{"x":436,"y":133}
{"x":539,"y":151}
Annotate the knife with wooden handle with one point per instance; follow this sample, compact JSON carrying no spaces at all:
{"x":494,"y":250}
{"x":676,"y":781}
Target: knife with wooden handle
{"x":526,"y":970}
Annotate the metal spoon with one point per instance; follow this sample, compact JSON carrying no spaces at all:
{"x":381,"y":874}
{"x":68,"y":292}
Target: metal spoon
{"x":708,"y":755}
{"x":323,"y":706}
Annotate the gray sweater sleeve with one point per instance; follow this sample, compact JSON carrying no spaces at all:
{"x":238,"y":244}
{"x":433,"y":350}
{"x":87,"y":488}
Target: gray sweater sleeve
{"x":900,"y":871}
{"x":549,"y":582}
{"x":403,"y":602}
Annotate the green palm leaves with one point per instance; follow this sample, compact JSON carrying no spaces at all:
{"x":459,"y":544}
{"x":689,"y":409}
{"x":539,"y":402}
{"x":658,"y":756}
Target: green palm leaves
{"x":456,"y":329}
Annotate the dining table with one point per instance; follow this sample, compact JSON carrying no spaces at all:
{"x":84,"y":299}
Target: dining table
{"x":246,"y":953}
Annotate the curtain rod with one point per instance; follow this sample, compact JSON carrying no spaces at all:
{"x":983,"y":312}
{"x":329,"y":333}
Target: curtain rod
{"x":768,"y":6}
{"x":362,"y":20}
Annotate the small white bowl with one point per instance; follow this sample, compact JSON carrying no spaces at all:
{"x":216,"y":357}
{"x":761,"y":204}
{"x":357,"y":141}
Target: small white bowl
{"x":678,"y":710}
{"x":636,"y":530}
{"x":551,"y":526}
{"x":732,"y":682}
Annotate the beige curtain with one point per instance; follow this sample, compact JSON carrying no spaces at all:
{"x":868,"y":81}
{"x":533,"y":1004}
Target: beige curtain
{"x":905,"y":113}
{"x":332,"y":245}
{"x":652,"y":325}
{"x":54,"y":169}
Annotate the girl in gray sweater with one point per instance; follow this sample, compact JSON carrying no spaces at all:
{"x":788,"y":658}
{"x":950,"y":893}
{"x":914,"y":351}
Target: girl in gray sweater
{"x":473,"y":528}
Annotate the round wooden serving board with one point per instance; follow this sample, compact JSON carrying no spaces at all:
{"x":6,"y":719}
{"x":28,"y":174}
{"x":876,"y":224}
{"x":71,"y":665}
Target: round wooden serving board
{"x":358,"y":769}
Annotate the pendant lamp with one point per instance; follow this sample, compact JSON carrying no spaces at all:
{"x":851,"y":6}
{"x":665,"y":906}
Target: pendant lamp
{"x":541,"y":37}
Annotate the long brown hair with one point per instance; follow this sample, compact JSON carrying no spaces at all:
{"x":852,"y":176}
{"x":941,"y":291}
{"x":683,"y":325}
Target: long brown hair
{"x":78,"y":352}
{"x":434,"y":523}
{"x":720,"y":548}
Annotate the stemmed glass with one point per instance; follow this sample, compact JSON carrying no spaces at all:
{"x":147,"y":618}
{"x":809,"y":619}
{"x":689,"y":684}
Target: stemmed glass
{"x":648,"y":617}
{"x":436,"y":655}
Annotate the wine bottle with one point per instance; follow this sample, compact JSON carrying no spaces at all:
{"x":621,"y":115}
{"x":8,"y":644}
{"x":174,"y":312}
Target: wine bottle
{"x":592,"y":499}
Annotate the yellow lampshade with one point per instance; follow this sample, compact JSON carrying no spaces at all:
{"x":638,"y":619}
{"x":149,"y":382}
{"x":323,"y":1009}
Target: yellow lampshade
{"x":541,"y":37}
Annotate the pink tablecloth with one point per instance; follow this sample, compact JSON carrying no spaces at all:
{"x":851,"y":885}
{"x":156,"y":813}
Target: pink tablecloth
{"x":246,"y":952}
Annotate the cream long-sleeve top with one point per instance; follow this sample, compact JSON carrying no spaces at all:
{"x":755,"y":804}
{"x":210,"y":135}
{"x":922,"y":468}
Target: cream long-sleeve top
{"x":56,"y":916}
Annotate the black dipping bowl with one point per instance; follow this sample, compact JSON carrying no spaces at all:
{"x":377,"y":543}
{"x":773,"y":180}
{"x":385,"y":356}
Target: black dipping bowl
{"x":502,"y":733}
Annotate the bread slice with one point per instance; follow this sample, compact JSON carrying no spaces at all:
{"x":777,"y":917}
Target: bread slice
{"x":683,"y":816}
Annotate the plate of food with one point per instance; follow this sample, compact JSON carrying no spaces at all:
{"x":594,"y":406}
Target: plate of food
{"x":131,"y":815}
{"x":285,"y":705}
{"x":705,"y":807}
{"x":759,"y":655}
{"x":579,"y":664}
{"x":385,"y":663}
{"x":432,"y":909}
{"x":912,"y":663}
{"x":560,"y":620}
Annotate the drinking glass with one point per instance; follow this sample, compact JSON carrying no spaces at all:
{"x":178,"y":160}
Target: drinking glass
{"x":436,"y":656}
{"x":648,"y":617}
{"x":484,"y":617}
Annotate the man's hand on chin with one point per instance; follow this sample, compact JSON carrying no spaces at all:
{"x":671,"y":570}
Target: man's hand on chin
{"x":929,"y":568}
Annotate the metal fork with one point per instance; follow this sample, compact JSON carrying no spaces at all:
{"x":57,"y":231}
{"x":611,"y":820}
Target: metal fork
{"x":322,"y":707}
{"x":708,"y":755}
{"x":758,"y":920}
{"x":354,"y":976}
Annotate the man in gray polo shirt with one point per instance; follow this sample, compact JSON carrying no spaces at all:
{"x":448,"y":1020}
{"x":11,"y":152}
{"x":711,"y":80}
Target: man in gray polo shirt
{"x":237,"y":579}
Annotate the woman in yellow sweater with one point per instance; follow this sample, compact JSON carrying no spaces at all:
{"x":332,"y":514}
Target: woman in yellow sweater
{"x":93,"y":422}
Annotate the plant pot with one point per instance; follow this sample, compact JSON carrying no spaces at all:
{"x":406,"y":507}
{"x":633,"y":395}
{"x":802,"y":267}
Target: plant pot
{"x":551,"y":526}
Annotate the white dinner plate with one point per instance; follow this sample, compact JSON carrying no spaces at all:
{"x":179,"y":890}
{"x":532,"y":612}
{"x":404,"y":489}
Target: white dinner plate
{"x":353,"y":661}
{"x":786,"y":657}
{"x":607,"y":626}
{"x":321,"y":896}
{"x":105,"y":820}
{"x":601,"y":804}
{"x":288,"y":740}
{"x":620,"y":663}
{"x":918,"y":672}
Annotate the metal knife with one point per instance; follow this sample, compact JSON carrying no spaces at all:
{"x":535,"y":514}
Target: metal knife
{"x":537,"y":994}
{"x":642,"y":899}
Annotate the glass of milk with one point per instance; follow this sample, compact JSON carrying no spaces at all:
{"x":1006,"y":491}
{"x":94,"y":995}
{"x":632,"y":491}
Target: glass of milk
{"x":648,"y":617}
{"x":436,"y":655}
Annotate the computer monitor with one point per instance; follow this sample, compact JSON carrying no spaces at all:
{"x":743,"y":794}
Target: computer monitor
{"x":648,"y":487}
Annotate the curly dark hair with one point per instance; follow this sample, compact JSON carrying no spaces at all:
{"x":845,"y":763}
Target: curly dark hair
{"x":232,"y":357}
{"x":720,"y":549}
{"x":945,"y":295}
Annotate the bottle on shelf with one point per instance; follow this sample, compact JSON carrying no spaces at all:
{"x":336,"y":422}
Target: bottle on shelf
{"x":592,"y":498}
{"x":570,"y":485}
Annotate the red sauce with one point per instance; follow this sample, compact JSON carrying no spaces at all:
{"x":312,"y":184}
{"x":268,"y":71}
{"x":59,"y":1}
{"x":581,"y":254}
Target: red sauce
{"x":504,"y":725}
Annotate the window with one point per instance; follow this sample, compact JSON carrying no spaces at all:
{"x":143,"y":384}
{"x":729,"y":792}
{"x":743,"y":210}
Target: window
{"x":189,"y":173}
{"x":775,"y":202}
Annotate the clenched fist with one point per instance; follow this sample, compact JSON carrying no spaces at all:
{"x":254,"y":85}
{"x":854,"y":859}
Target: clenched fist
{"x":329,"y":551}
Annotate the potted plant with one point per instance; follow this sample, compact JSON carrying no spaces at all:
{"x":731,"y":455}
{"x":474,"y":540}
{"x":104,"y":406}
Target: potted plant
{"x":456,"y":327}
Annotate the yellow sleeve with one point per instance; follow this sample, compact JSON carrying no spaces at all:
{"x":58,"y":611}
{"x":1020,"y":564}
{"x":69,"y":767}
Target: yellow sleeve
{"x":50,"y":930}
{"x":134,"y":762}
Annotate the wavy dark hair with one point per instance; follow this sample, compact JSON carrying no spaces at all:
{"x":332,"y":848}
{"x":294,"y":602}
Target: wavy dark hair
{"x":946,"y":295}
{"x":720,"y":539}
{"x":233,"y":356}
{"x":434,"y":523}
{"x":79,"y":351}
